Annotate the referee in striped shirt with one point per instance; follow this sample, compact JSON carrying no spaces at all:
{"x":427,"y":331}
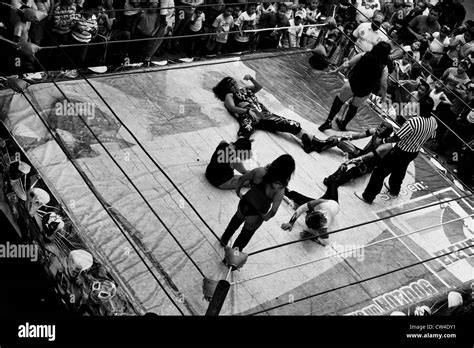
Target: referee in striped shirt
{"x":409,"y":139}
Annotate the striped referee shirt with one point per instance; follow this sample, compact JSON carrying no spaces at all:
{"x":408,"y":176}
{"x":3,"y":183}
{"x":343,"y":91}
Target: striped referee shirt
{"x":415,"y":132}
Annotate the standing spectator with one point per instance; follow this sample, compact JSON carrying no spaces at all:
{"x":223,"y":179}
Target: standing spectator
{"x":262,"y":8}
{"x":409,"y":139}
{"x":271,"y":39}
{"x":438,"y":96}
{"x":342,"y":47}
{"x":183,"y":16}
{"x":83,"y":29}
{"x":194,"y":28}
{"x":296,"y":32}
{"x":37,"y":29}
{"x":246,"y":21}
{"x":398,"y":13}
{"x":63,"y":17}
{"x":369,"y":34}
{"x":167,"y":13}
{"x":223,"y":24}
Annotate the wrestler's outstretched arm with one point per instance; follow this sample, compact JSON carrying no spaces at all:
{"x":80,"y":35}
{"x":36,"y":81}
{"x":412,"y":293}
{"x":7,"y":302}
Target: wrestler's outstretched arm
{"x":256,"y":86}
{"x":302,"y":209}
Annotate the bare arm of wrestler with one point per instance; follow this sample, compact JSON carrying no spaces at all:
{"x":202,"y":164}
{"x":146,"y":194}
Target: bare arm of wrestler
{"x":230,"y":105}
{"x":301,"y":209}
{"x":277,"y":198}
{"x":348,"y":64}
{"x":256,"y":86}
{"x":254,"y":175}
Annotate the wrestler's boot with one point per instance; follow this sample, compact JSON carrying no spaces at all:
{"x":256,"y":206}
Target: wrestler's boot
{"x":339,"y":177}
{"x":351,"y":112}
{"x":322,"y":145}
{"x":335,"y":108}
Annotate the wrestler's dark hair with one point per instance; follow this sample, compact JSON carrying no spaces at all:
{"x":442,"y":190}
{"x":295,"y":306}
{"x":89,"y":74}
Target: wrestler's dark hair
{"x":316,"y":220}
{"x":381,"y":52}
{"x":426,"y":106}
{"x":280,"y":170}
{"x":388,"y":129}
{"x":243,"y":144}
{"x":223,"y":88}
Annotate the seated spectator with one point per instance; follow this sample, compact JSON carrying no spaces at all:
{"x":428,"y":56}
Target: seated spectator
{"x":420,"y":7}
{"x":342,"y":47}
{"x":366,"y":10}
{"x":422,"y":27}
{"x":403,"y":66}
{"x":246,"y":21}
{"x":369,"y":34}
{"x":271,"y":39}
{"x":415,"y":49}
{"x":455,"y":77}
{"x":464,"y":43}
{"x":439,"y":43}
{"x":427,"y":65}
{"x":398,"y":14}
{"x":453,"y":13}
{"x":438,"y":95}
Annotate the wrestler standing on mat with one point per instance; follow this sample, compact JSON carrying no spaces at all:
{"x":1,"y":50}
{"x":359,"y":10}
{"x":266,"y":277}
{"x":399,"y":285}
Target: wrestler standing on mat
{"x":244,"y":105}
{"x":261,"y":202}
{"x":368,"y":74}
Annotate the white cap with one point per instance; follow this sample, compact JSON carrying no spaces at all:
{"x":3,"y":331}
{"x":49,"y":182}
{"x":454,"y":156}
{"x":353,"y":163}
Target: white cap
{"x":454,"y":299}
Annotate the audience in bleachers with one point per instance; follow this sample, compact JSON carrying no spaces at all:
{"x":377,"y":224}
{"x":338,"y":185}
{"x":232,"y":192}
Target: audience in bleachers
{"x":429,"y":42}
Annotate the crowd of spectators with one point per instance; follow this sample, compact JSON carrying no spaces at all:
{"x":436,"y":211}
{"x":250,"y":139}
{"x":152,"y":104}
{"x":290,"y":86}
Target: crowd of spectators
{"x":430,"y":39}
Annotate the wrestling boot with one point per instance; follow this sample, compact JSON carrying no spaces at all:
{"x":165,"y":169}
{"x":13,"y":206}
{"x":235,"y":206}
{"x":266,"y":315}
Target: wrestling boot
{"x":307,"y":145}
{"x":335,"y":108}
{"x":351,"y":112}
{"x":322,"y":145}
{"x":337,"y":177}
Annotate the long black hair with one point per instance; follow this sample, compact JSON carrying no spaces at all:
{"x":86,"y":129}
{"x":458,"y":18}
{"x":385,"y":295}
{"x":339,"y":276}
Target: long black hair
{"x":280,"y":170}
{"x":380,"y":54}
{"x":223,"y":88}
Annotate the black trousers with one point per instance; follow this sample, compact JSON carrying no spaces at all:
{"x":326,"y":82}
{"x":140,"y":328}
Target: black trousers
{"x":395,"y":164}
{"x":271,"y":123}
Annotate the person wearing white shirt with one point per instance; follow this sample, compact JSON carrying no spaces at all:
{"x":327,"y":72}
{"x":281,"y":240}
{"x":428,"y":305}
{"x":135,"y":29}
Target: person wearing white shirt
{"x":246,"y":21}
{"x":369,"y":34}
{"x":296,"y":31}
{"x":366,"y":10}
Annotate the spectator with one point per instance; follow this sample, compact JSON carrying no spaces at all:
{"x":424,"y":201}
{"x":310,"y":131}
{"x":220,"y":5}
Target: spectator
{"x":183,"y":16}
{"x":296,"y":32}
{"x":415,"y":49}
{"x":464,"y":43}
{"x":18,"y":22}
{"x":223,"y":24}
{"x":412,"y":110}
{"x":369,"y":34}
{"x":271,"y":39}
{"x":83,"y":29}
{"x":62,"y":20}
{"x":246,"y":21}
{"x":312,"y":15}
{"x":194,"y":28}
{"x":343,"y":46}
{"x":439,"y":43}
{"x":366,"y":10}
{"x":403,"y":66}
{"x":415,"y":12}
{"x":37,"y":29}
{"x":398,"y":13}
{"x":453,"y":13}
{"x":438,"y":95}
{"x":262,"y":8}
{"x":454,"y":77}
{"x":421,"y":27}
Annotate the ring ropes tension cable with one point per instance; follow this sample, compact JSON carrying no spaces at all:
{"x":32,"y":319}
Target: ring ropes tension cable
{"x":349,"y":251}
{"x":104,"y":205}
{"x":359,"y":281}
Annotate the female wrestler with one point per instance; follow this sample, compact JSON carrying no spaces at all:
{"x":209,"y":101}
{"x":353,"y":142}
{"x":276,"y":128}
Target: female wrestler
{"x":243,"y":104}
{"x":226,"y":158}
{"x":261,"y":202}
{"x":319,"y":213}
{"x":368,"y":74}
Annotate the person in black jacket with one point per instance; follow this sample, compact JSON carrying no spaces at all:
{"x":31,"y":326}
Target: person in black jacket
{"x":368,"y":74}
